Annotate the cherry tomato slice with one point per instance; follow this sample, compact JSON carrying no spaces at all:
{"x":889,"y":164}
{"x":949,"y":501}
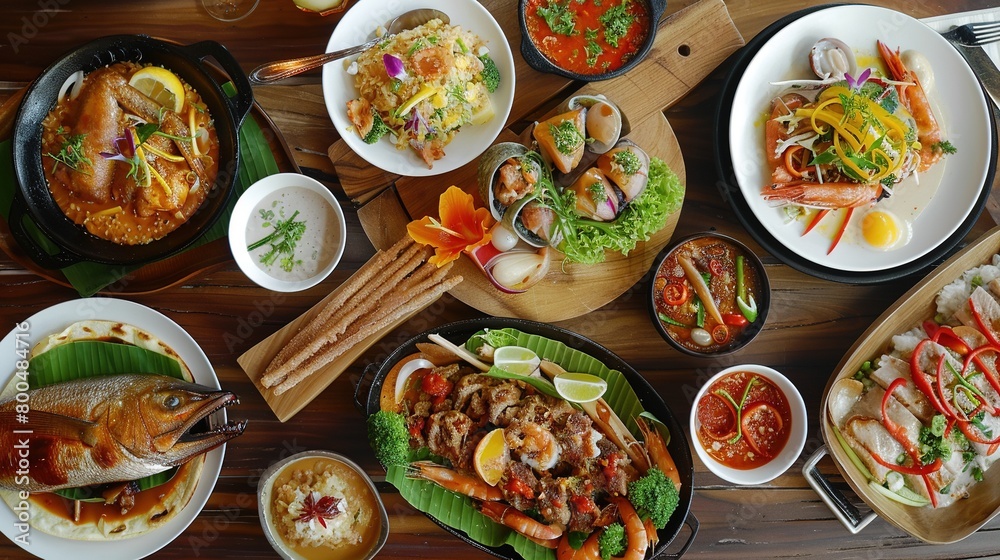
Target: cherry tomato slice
{"x":675,"y":293}
{"x":720,"y":334}
{"x":735,"y":320}
{"x":715,"y":267}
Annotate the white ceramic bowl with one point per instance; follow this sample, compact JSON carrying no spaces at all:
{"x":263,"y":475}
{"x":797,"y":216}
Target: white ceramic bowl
{"x":266,"y":484}
{"x":796,"y":439}
{"x":325,"y":236}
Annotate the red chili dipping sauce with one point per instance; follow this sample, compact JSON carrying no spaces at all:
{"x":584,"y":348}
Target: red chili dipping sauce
{"x":587,"y":36}
{"x":745,"y":420}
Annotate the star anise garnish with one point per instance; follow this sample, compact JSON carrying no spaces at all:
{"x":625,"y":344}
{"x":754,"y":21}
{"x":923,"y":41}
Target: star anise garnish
{"x":326,"y":507}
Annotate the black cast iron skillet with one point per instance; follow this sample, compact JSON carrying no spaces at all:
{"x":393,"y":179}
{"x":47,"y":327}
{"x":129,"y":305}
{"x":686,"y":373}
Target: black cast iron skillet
{"x":539,"y":62}
{"x":460,"y":331}
{"x":32,"y":196}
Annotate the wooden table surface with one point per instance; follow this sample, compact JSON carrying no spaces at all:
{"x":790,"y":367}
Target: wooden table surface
{"x":811,"y":324}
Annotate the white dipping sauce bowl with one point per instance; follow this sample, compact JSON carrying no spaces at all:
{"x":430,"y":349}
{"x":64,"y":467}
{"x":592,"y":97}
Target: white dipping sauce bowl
{"x":324,"y":227}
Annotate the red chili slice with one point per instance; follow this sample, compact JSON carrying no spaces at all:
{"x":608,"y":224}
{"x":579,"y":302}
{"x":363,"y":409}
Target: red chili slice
{"x":675,"y":293}
{"x":737,"y":320}
{"x":922,"y":470}
{"x":921,"y":379}
{"x":897,"y":432}
{"x":988,"y":332}
{"x":947,"y":338}
{"x":990,"y":373}
{"x":973,"y":435}
{"x":715,"y":267}
{"x":720,"y":334}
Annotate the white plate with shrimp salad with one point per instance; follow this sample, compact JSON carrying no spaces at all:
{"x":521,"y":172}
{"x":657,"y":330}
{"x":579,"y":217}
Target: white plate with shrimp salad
{"x":836,"y":162}
{"x":426,"y":85}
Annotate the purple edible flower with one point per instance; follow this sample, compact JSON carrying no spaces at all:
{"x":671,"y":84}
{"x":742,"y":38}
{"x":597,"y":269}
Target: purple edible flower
{"x":855,"y":84}
{"x":393,"y":66}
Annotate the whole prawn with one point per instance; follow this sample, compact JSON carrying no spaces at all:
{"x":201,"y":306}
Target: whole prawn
{"x":822,"y":195}
{"x":915,"y":99}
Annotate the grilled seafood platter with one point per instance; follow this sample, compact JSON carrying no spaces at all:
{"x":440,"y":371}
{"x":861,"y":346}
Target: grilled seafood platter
{"x":129,"y":152}
{"x":911,"y":414}
{"x":109,"y":454}
{"x":484,"y":429}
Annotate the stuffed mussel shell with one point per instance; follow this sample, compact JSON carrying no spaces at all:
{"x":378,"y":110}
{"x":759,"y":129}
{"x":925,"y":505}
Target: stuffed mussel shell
{"x":604,"y":121}
{"x":507,"y":172}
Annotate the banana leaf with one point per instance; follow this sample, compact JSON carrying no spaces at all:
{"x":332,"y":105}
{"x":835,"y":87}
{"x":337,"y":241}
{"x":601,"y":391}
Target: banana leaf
{"x":82,"y":359}
{"x":458,"y":511}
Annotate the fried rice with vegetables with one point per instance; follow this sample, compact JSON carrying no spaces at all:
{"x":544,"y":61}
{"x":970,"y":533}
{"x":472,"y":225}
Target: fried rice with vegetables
{"x":421,"y":86}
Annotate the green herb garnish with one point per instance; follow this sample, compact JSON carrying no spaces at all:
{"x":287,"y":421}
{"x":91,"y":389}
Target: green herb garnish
{"x":283,"y":239}
{"x":558,"y":17}
{"x":616,"y":22}
{"x":944,"y":147}
{"x":628,"y":161}
{"x":71,"y":152}
{"x":567,"y":137}
{"x":593,"y":49}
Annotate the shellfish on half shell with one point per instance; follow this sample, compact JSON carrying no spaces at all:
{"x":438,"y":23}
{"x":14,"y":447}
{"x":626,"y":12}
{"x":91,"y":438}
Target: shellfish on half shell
{"x":507,"y":172}
{"x":627,"y":166}
{"x":604,"y":121}
{"x":831,"y":58}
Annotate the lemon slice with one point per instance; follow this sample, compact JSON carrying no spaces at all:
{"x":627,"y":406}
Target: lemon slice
{"x":491,"y":457}
{"x":516,"y":359}
{"x":160,"y":85}
{"x":579,"y":387}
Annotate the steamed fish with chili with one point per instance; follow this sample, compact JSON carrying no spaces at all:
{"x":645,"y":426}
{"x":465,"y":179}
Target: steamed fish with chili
{"x":850,"y":140}
{"x":130,"y":153}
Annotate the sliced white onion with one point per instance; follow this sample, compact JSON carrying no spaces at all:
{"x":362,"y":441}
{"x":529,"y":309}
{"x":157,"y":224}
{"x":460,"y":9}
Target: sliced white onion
{"x":76,"y":81}
{"x":519,"y":270}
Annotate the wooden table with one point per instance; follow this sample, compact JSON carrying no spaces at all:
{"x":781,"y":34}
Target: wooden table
{"x":811,"y":324}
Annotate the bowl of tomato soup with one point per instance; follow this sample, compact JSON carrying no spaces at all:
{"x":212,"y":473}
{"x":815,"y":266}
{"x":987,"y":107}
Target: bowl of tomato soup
{"x":587,"y":41}
{"x":709,"y":295}
{"x":748,"y":424}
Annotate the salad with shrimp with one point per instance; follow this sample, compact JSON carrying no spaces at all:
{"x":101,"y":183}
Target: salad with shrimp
{"x":849,"y":140}
{"x":477,"y":428}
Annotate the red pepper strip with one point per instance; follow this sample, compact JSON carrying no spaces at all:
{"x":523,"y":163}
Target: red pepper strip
{"x":993,"y":448}
{"x":840,"y":232}
{"x":816,"y":220}
{"x":931,"y":328}
{"x":918,"y":471}
{"x":921,"y":379}
{"x":947,"y":338}
{"x":930,"y":490}
{"x":738,"y":320}
{"x":790,"y":161}
{"x":988,"y":372}
{"x":987,"y":331}
{"x":949,"y":410}
{"x":967,"y":430}
{"x":893,"y":427}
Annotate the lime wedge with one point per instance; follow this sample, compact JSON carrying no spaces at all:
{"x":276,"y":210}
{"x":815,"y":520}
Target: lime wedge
{"x":516,"y":359}
{"x":579,"y":387}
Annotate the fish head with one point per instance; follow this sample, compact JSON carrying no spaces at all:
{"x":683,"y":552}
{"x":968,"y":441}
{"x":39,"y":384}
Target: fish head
{"x":167,"y":420}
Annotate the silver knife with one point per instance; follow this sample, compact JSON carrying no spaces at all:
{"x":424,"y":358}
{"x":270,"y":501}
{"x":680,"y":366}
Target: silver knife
{"x":984,"y":69}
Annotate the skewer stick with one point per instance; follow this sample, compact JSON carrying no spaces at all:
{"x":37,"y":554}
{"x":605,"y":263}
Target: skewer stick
{"x":459,"y":351}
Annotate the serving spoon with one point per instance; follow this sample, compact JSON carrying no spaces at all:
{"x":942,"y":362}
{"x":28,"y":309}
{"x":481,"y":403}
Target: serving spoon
{"x":279,"y":70}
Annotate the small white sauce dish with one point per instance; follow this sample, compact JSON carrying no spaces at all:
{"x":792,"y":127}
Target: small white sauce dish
{"x":788,"y":454}
{"x":278,"y":197}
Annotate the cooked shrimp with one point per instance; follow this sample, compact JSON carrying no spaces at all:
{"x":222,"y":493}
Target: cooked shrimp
{"x":656,"y":448}
{"x":774,"y":131}
{"x":823,"y":195}
{"x":359,"y":111}
{"x":533,"y":444}
{"x":509,"y":516}
{"x":915,"y":99}
{"x":635,"y":530}
{"x":433,"y":62}
{"x":455,"y":481}
{"x":589,"y":551}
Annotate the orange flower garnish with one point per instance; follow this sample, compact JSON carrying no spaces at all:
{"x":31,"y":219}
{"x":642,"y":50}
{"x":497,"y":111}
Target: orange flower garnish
{"x":462,"y":227}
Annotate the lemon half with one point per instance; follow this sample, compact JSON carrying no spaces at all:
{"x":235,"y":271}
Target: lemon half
{"x":160,"y":85}
{"x":491,"y":457}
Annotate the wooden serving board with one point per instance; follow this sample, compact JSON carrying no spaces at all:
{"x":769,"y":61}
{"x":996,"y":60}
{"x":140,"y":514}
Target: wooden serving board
{"x":286,"y":405}
{"x":689,"y":45}
{"x":964,"y":517}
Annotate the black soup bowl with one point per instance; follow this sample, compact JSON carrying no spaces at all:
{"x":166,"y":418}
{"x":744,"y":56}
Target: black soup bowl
{"x":32,"y":197}
{"x":537,"y":59}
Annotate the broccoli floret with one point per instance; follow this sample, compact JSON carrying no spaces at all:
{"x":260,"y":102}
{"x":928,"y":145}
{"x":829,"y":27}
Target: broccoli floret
{"x":612,"y":541}
{"x":654,"y":497}
{"x":379,"y":129}
{"x":490,"y":73}
{"x":389,"y":437}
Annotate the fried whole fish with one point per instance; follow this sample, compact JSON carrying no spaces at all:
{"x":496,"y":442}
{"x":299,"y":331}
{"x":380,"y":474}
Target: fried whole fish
{"x":107,"y":429}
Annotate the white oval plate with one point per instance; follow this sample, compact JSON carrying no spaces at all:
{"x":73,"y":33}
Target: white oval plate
{"x":964,"y":113}
{"x":238,"y":241}
{"x":358,"y":26}
{"x":56,"y":318}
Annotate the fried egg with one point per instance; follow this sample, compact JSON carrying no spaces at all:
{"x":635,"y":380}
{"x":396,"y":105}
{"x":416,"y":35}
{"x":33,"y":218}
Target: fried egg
{"x":882,"y":229}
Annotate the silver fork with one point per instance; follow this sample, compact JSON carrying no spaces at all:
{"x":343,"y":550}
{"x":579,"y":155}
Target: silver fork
{"x":974,"y":34}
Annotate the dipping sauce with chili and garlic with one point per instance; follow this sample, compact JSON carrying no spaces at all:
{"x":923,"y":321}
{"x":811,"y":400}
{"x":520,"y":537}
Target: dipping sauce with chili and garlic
{"x":744,"y":420}
{"x":589,"y":36}
{"x":712,"y":266}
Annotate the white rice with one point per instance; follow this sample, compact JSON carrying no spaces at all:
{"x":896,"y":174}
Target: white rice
{"x":952,"y":297}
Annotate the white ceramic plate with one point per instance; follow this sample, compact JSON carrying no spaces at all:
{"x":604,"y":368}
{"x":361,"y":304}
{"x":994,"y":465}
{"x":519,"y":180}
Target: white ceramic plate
{"x":55,"y":319}
{"x":963,"y":113}
{"x":358,"y":26}
{"x":333,"y":231}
